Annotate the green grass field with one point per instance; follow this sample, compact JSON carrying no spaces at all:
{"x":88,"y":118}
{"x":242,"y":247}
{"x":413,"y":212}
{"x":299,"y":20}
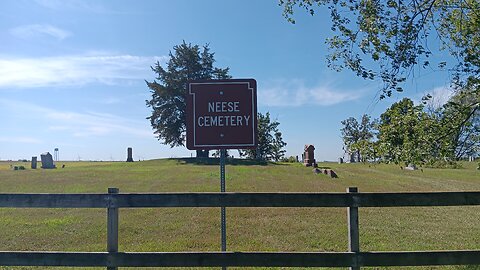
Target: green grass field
{"x":249,"y":229}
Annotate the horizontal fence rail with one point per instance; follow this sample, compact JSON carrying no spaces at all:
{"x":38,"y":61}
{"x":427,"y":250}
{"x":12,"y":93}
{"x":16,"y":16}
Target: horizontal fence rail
{"x":243,"y":259}
{"x":352,"y":200}
{"x":228,"y":199}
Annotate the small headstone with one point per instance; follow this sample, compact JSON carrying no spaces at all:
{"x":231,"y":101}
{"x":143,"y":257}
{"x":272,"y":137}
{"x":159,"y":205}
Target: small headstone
{"x":332,"y":173}
{"x":47,"y":161}
{"x":34,"y":163}
{"x":328,"y":172}
{"x":411,"y":167}
{"x":129,"y":154}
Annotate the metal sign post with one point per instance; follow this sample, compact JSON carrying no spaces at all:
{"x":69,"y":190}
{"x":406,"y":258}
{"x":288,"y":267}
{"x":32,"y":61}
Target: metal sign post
{"x":223,"y":210}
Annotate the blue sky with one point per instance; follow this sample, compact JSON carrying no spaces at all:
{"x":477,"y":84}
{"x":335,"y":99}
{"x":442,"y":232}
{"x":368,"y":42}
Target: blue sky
{"x":72,"y":74}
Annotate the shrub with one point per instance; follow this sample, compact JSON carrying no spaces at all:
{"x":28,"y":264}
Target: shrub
{"x":442,"y":164}
{"x":290,"y":159}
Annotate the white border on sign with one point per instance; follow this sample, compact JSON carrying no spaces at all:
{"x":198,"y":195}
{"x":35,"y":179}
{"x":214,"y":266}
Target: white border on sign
{"x":194,"y":116}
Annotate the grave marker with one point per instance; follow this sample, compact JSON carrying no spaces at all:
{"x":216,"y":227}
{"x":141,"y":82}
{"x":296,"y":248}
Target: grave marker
{"x":47,"y":161}
{"x":34,"y":163}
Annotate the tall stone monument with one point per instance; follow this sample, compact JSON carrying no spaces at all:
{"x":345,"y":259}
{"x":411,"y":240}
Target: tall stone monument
{"x":129,"y":154}
{"x":34,"y":162}
{"x":309,"y":155}
{"x":47,"y":161}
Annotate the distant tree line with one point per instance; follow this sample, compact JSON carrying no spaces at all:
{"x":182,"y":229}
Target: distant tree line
{"x":417,"y":134}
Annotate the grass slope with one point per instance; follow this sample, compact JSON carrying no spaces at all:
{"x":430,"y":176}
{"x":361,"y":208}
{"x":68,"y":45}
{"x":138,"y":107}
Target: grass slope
{"x":249,"y":229}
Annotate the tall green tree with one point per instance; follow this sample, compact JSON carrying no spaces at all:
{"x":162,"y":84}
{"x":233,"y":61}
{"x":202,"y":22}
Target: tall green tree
{"x":270,"y":141}
{"x":187,"y":62}
{"x":407,"y":134}
{"x":461,"y":126}
{"x":357,"y":136}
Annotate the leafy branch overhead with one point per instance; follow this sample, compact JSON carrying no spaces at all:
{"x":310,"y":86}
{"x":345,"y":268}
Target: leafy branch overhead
{"x":386,"y":40}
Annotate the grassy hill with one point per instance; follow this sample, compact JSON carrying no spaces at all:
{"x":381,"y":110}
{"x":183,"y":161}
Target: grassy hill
{"x":248,"y":229}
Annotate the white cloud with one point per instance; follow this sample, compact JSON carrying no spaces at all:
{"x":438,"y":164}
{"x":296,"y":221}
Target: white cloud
{"x":39,"y":30}
{"x":295,"y":93}
{"x":82,"y":5}
{"x":111,"y":100}
{"x":440,"y":96}
{"x":79,"y":124}
{"x":30,"y":140}
{"x":74,"y":70}
{"x":97,"y":124}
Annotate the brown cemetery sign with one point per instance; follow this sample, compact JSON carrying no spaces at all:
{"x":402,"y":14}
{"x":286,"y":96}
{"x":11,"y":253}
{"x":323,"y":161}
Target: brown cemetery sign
{"x":222,"y":114}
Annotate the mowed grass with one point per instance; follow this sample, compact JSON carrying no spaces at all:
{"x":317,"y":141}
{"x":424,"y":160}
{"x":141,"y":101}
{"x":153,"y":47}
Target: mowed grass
{"x":248,"y":229}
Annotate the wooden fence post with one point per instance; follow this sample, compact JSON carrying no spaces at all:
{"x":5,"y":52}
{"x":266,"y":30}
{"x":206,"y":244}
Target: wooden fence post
{"x":112,"y":225}
{"x":353,"y":229}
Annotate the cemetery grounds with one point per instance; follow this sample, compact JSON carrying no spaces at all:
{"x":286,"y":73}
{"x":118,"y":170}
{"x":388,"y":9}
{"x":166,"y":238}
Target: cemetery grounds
{"x":248,"y":229}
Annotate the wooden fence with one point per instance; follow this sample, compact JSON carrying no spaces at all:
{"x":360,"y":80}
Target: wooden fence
{"x":352,"y":200}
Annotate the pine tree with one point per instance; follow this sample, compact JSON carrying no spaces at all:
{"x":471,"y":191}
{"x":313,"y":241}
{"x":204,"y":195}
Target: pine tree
{"x":168,"y":102}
